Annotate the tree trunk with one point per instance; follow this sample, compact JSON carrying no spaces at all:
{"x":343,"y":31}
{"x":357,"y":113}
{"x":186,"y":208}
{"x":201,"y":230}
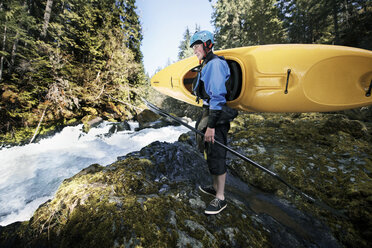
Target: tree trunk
{"x":2,"y":57}
{"x":48,"y":10}
{"x":14,"y":50}
{"x":38,"y":126}
{"x":347,"y":13}
{"x":335,"y":22}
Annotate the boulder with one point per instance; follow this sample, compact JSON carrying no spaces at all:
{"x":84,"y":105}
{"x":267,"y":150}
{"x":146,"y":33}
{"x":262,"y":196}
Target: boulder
{"x":150,"y":198}
{"x":148,"y":119}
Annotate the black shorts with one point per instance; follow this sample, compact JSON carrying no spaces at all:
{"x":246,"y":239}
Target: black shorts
{"x":216,"y":155}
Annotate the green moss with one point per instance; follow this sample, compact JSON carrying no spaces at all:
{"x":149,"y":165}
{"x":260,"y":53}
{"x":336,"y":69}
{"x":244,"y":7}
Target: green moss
{"x":90,"y":111}
{"x":16,"y":137}
{"x":326,"y":156}
{"x":120,"y":206}
{"x":24,"y":135}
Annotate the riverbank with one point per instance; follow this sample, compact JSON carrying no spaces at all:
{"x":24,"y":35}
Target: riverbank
{"x":32,"y":173}
{"x":328,"y":156}
{"x":89,"y":117}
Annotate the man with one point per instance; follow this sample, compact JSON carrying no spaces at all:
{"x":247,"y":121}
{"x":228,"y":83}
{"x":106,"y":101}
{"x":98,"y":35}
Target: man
{"x":210,"y":86}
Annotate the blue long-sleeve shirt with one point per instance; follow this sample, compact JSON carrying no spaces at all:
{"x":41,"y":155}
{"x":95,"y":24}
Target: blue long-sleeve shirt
{"x":214,"y":75}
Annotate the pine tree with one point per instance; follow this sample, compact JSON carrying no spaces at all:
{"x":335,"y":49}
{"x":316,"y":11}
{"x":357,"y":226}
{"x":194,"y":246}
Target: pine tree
{"x":328,"y":21}
{"x":306,"y":21}
{"x":184,"y":48}
{"x":264,"y":24}
{"x":229,"y":20}
{"x":355,"y":22}
{"x":246,"y":22}
{"x":67,"y":55}
{"x":14,"y":18}
{"x":48,"y":9}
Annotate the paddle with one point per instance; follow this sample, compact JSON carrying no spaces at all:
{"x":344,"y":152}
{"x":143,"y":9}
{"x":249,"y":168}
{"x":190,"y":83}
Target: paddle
{"x":161,"y":112}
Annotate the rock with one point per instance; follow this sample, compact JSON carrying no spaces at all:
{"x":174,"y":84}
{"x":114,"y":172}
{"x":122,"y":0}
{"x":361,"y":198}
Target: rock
{"x":146,"y":116}
{"x":162,"y":122}
{"x":180,"y":108}
{"x":150,"y":198}
{"x":362,"y":114}
{"x":336,"y":123}
{"x":325,"y":155}
{"x":148,"y":119}
{"x":95,"y":122}
{"x":118,"y":127}
{"x":90,"y":121}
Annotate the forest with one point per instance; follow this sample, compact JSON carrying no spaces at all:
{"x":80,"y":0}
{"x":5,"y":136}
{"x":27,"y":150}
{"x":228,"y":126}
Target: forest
{"x":246,"y":23}
{"x":66,"y":59}
{"x":63,"y":60}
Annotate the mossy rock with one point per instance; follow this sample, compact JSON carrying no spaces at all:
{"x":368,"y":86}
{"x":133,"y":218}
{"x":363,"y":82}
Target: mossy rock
{"x":90,"y":111}
{"x":327,"y":156}
{"x":123,"y":205}
{"x":146,"y":116}
{"x":150,"y":198}
{"x":90,"y":121}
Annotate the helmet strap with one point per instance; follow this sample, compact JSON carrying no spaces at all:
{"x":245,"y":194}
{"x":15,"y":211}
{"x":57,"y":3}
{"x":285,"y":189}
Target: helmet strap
{"x":208,"y":44}
{"x":206,"y":50}
{"x":207,"y":47}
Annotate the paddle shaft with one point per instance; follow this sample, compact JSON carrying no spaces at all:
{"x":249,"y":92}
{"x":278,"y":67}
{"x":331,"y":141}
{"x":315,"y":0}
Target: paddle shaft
{"x":165,"y":114}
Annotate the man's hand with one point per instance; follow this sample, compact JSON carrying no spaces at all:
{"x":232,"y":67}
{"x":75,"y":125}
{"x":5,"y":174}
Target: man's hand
{"x":209,"y":135}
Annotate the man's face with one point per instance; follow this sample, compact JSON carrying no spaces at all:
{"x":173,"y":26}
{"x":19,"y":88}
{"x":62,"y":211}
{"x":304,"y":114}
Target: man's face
{"x":199,"y":51}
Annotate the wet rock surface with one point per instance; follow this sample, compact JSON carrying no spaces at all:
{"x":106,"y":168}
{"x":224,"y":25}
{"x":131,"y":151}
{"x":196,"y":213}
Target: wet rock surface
{"x":150,"y":198}
{"x":328,"y":156}
{"x":148,"y":119}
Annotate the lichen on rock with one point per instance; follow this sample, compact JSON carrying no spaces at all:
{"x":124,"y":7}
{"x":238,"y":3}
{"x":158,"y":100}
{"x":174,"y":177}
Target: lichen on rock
{"x":327,"y":156}
{"x":149,"y":198}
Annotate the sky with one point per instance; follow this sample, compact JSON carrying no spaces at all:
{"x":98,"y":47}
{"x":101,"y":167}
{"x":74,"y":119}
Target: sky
{"x":164,"y":23}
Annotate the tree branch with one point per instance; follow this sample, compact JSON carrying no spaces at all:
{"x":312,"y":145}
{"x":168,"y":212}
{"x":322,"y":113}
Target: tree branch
{"x":37,"y":129}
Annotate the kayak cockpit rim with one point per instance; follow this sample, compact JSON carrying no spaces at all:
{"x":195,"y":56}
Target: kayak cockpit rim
{"x":235,"y":81}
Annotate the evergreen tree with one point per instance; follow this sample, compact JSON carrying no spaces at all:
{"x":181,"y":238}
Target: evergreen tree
{"x":132,"y":26}
{"x":264,"y":24}
{"x":15,"y":41}
{"x":185,"y":50}
{"x":229,"y":20}
{"x":307,"y":21}
{"x":67,"y":55}
{"x":355,"y":21}
{"x":328,"y":21}
{"x":246,"y":22}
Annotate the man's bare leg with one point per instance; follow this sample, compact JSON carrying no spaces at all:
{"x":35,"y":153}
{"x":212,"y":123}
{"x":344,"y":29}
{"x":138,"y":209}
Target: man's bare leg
{"x":219,"y":185}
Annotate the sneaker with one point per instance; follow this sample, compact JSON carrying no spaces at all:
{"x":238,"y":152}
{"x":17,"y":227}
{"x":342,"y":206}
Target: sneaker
{"x":216,"y":206}
{"x":208,"y":190}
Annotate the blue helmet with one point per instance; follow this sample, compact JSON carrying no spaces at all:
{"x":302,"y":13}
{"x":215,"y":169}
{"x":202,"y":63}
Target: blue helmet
{"x":204,"y":37}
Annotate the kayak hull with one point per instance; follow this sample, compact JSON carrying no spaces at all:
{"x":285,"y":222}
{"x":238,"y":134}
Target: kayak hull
{"x":283,"y":78}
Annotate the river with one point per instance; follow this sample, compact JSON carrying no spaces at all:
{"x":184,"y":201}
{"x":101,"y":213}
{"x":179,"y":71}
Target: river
{"x":31,"y":174}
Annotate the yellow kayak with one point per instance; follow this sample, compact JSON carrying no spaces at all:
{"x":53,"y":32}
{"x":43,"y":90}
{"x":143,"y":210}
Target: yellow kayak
{"x":283,"y":78}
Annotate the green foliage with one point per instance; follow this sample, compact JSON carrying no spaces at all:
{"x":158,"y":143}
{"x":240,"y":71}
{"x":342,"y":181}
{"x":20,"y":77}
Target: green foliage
{"x":91,"y":49}
{"x":247,"y":22}
{"x":330,"y":22}
{"x":185,"y":50}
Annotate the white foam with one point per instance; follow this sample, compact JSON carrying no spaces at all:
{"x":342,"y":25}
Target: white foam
{"x":23,"y":213}
{"x":31,"y":174}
